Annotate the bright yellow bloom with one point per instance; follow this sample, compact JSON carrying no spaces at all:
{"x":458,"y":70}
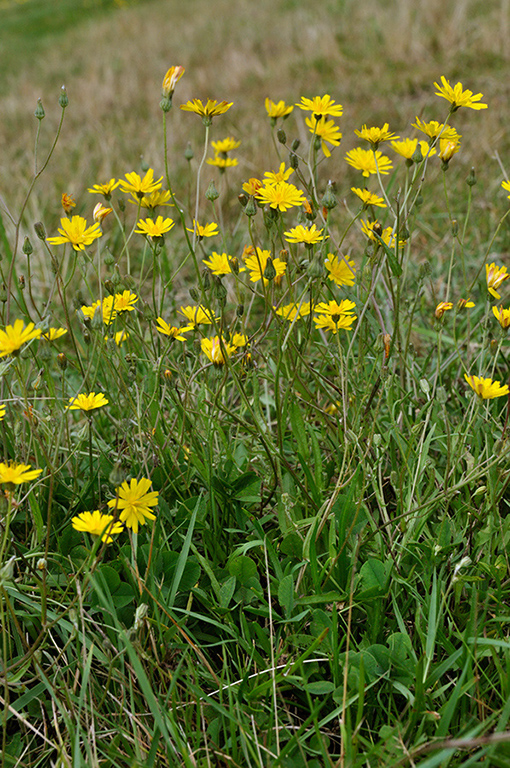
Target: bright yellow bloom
{"x":457,"y":96}
{"x":152,"y":228}
{"x":120,"y":337}
{"x":170,"y":80}
{"x":387,"y":234}
{"x":97,"y":525}
{"x":208,"y":230}
{"x":17,"y":473}
{"x":465,"y":304}
{"x":448,"y":148}
{"x":158,"y":197}
{"x":368,"y":162}
{"x":68,"y":202}
{"x":100,"y":212}
{"x":273,"y":177}
{"x":307,"y":235}
{"x":442,"y":307}
{"x":87,"y":402}
{"x":54,"y":333}
{"x":333,"y":308}
{"x":281,"y":195}
{"x":104,"y":189}
{"x":368,"y":198}
{"x":277,"y":109}
{"x":107,"y":309}
{"x":326,"y":130}
{"x":208,"y":110}
{"x":256,"y":265}
{"x":76,"y":232}
{"x":222,"y":162}
{"x":334,"y":324}
{"x":407,"y":148}
{"x":139,"y":187}
{"x":125,"y":301}
{"x":486,"y":388}
{"x":198,"y":315}
{"x":170,"y":330}
{"x":375,"y":135}
{"x":495,"y":277}
{"x":225,"y":145}
{"x":217,"y":350}
{"x":341,"y":270}
{"x":252,"y":186}
{"x":321,"y":105}
{"x":218,"y":263}
{"x":434,"y":129}
{"x":502,"y":316}
{"x":239,"y":340}
{"x":15,"y":336}
{"x":134,"y":502}
{"x":291,"y":311}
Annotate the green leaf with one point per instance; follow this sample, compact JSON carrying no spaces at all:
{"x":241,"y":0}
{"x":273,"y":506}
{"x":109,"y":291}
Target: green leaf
{"x":227,"y":591}
{"x":374,"y":578}
{"x":320,"y":688}
{"x":243,"y":568}
{"x":286,"y":594}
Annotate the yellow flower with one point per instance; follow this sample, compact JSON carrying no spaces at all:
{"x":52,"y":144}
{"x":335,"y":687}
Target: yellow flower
{"x":106,"y":308}
{"x":219,"y":263}
{"x":506,"y":185}
{"x":371,"y":228}
{"x":68,"y":203}
{"x":448,"y":148}
{"x":465,"y":304}
{"x":495,"y":276}
{"x":368,"y":162}
{"x":334,"y":323}
{"x":333,"y":308}
{"x":434,"y":129}
{"x":225,"y":145}
{"x":326,"y":130}
{"x":87,"y":402}
{"x":17,"y":473}
{"x":252,"y":186}
{"x":76,"y":232}
{"x":54,"y":333}
{"x":321,"y":105}
{"x":256,"y":265}
{"x":222,"y":162}
{"x":208,"y":230}
{"x":100,"y":212}
{"x":15,"y":336}
{"x":217,"y":350}
{"x":457,"y":96}
{"x":170,"y":330}
{"x":486,"y":388}
{"x":139,"y":187}
{"x":277,"y":109}
{"x":158,"y":197}
{"x":120,"y":337}
{"x":368,"y":198}
{"x":273,"y":177}
{"x":198,"y":315}
{"x":291,"y":311}
{"x":281,"y":195}
{"x":208,"y":110}
{"x":375,"y":135}
{"x":170,"y":80}
{"x":104,"y":189}
{"x":502,"y":316}
{"x":239,"y":340}
{"x":152,"y":228}
{"x":2,"y":411}
{"x":134,"y":502}
{"x":407,"y":148}
{"x":442,"y":307}
{"x":307,"y":235}
{"x":125,"y":301}
{"x":97,"y":525}
{"x":341,"y":270}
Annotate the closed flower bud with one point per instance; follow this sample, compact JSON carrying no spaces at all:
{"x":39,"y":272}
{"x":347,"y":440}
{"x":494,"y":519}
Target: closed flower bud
{"x":234,"y":265}
{"x":269,"y":271}
{"x":39,"y":110}
{"x":212,"y":193}
{"x":27,"y":247}
{"x":195,"y":295}
{"x":116,"y":278}
{"x":39,"y":230}
{"x":455,"y":227}
{"x":117,"y":475}
{"x":21,"y":280}
{"x":295,"y":144}
{"x":122,"y":204}
{"x":62,"y":361}
{"x":109,"y":259}
{"x":220,"y":293}
{"x":87,"y":338}
{"x":471,"y":179}
{"x":250,"y":208}
{"x":3,"y":294}
{"x":41,"y":564}
{"x":188,"y":152}
{"x":243,"y":199}
{"x":293,"y":161}
{"x":63,"y":99}
{"x":206,"y":278}
{"x":240,"y":310}
{"x":316,"y":267}
{"x":329,"y":200}
{"x":281,"y":136}
{"x":167,"y":375}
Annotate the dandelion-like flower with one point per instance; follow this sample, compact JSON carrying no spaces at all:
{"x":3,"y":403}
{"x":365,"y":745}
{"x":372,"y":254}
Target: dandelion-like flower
{"x":68,"y":202}
{"x":76,"y":232}
{"x":105,"y":189}
{"x":367,"y":161}
{"x":487,"y":389}
{"x":495,"y":277}
{"x":332,"y":316}
{"x":407,"y":148}
{"x":387,"y":235}
{"x":152,"y":228}
{"x":432,"y":129}
{"x":502,"y":316}
{"x":158,"y":197}
{"x":341,"y":270}
{"x":292,"y":311}
{"x":100,"y":213}
{"x":457,"y":96}
{"x":135,"y":185}
{"x":208,"y":110}
{"x":326,"y":131}
{"x":134,"y":500}
{"x":170,"y":80}
{"x":219,"y":263}
{"x":52,"y":334}
{"x":125,"y":301}
{"x":222,"y":162}
{"x":252,"y":186}
{"x":170,"y":330}
{"x":321,"y":105}
{"x":216,"y":351}
{"x":273,"y":177}
{"x":207,"y":230}
{"x":198,"y":315}
{"x":277,"y":109}
{"x":14,"y":336}
{"x":97,"y":524}
{"x":442,"y":307}
{"x":376,"y":135}
{"x":17,"y":473}
{"x":369,"y":198}
{"x":106,"y":308}
{"x":256,"y":264}
{"x":225,"y":145}
{"x":89,"y":402}
{"x":308,"y":235}
{"x":281,"y":195}
{"x":448,"y":148}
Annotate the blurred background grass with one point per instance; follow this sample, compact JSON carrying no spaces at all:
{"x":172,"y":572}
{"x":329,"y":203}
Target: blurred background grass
{"x":378,"y":58}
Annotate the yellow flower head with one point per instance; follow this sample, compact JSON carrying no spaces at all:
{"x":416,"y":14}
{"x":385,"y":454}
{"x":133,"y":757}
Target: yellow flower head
{"x":433,"y":129}
{"x":387,"y":235}
{"x":152,"y":228}
{"x":208,"y":110}
{"x":219,"y":263}
{"x":100,"y":212}
{"x":252,"y":186}
{"x":170,"y":330}
{"x":222,"y":162}
{"x":76,"y":232}
{"x":326,"y":130}
{"x":375,"y":135}
{"x":104,"y":189}
{"x":448,"y":148}
{"x":368,"y":198}
{"x":134,"y":500}
{"x":14,"y":336}
{"x":502,"y":316}
{"x":281,"y":195}
{"x":217,"y":350}
{"x":105,"y":307}
{"x":277,"y":109}
{"x":457,"y":96}
{"x":442,"y":307}
{"x":135,"y":185}
{"x":368,"y":161}
{"x":273,"y":177}
{"x":486,"y":388}
{"x":52,"y":334}
{"x":495,"y":277}
{"x":333,"y":308}
{"x":17,"y":473}
{"x":207,"y":230}
{"x":341,"y":270}
{"x":239,"y":340}
{"x":225,"y":145}
{"x":256,"y":264}
{"x":120,"y":337}
{"x":125,"y":301}
{"x":158,"y":197}
{"x":198,"y":315}
{"x":407,"y":148}
{"x":292,"y":311}
{"x":170,"y":80}
{"x":87,"y":402}
{"x":321,"y":105}
{"x":97,"y":525}
{"x":68,"y":203}
{"x":308,"y":235}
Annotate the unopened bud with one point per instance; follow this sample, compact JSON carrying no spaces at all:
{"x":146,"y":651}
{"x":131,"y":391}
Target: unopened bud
{"x":234,"y":265}
{"x":195,"y":295}
{"x":41,"y":564}
{"x":206,"y":279}
{"x":455,"y":227}
{"x":39,"y":230}
{"x":63,"y":99}
{"x":243,"y":199}
{"x":117,"y":475}
{"x":281,"y":136}
{"x":122,"y":204}
{"x":295,"y":145}
{"x":471,"y":179}
{"x":250,"y":208}
{"x":293,"y":161}
{"x":212,"y":193}
{"x":220,"y":293}
{"x":269,"y":271}
{"x":329,"y":200}
{"x":21,"y":281}
{"x":27,"y":247}
{"x":316,"y":267}
{"x":39,"y":110}
{"x":240,"y":310}
{"x":62,"y":361}
{"x":168,"y":374}
{"x":188,"y":152}
{"x":87,"y":338}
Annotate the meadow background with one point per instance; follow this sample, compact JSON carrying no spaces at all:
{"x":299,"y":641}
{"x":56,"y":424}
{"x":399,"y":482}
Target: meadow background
{"x":313,"y":593}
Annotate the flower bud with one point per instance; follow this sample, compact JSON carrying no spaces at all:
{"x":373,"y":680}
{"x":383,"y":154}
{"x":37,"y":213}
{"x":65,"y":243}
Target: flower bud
{"x":188,"y":152}
{"x":21,"y":280}
{"x":329,"y":200}
{"x":316,"y":267}
{"x":281,"y":136}
{"x":220,"y":293}
{"x":39,"y":230}
{"x":455,"y":227}
{"x":27,"y":247}
{"x":117,"y":475}
{"x":295,"y":145}
{"x":63,"y":99}
{"x":293,"y":161}
{"x":471,"y":179}
{"x":195,"y":295}
{"x":39,"y":110}
{"x":62,"y":361}
{"x":41,"y":564}
{"x":206,"y":279}
{"x":250,"y":207}
{"x":167,"y":374}
{"x":243,"y":199}
{"x":212,"y":193}
{"x":269,"y":271}
{"x":240,"y":310}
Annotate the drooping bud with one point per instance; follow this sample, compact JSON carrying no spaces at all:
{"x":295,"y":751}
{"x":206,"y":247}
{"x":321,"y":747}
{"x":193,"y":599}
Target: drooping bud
{"x":243,"y":199}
